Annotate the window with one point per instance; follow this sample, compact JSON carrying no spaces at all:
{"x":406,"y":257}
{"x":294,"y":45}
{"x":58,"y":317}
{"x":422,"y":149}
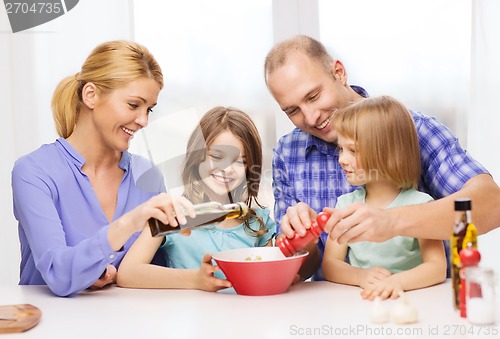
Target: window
{"x":211,"y":53}
{"x":416,"y":51}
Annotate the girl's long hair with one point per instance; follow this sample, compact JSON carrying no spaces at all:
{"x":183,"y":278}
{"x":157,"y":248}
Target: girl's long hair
{"x":213,"y":123}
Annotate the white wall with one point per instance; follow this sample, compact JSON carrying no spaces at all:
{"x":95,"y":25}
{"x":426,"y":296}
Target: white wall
{"x":484,"y":113}
{"x":32,"y":62}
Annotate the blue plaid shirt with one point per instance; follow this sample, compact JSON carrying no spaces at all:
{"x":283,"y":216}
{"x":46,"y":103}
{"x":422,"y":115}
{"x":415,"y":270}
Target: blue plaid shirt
{"x":307,"y":169}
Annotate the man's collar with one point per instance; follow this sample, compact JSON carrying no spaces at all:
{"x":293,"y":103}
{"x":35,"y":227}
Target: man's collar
{"x":360,"y":90}
{"x":324,"y":147}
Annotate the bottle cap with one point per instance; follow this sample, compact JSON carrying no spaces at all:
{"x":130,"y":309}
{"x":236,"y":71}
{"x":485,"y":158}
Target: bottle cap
{"x":463,"y":204}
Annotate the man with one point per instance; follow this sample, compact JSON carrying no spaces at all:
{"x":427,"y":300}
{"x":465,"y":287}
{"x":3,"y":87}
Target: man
{"x":309,"y":85}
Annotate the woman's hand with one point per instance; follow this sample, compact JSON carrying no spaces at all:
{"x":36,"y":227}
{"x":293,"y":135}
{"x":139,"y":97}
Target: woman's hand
{"x":108,"y":277}
{"x":165,"y":208}
{"x":205,"y":276}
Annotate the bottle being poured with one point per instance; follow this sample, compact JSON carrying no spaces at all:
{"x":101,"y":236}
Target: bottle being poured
{"x":207,"y":213}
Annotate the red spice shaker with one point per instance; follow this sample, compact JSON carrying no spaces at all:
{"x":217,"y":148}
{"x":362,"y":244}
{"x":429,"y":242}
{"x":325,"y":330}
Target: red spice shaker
{"x":291,"y":246}
{"x":469,"y":257}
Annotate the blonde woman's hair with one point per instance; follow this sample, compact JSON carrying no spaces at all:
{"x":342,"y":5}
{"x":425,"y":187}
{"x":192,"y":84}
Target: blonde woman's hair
{"x":109,"y":66}
{"x":214,"y":122}
{"x":385,"y":138}
{"x":312,"y":48}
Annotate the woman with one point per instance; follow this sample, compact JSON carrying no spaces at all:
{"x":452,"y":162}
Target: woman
{"x":76,"y":199}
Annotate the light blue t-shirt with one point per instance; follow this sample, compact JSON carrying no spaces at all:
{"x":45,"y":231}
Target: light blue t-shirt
{"x":187,"y":251}
{"x":397,"y":254}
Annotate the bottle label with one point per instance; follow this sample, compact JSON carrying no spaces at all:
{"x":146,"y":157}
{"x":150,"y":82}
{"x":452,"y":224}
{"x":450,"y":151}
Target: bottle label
{"x":464,"y":236}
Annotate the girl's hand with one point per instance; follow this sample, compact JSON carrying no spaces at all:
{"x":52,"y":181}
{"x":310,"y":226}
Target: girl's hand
{"x":390,"y":287}
{"x":108,"y":277}
{"x":371,"y":277}
{"x":205,"y":276}
{"x":297,"y":279}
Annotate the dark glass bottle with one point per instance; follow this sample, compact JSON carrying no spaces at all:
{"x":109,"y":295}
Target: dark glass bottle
{"x":464,"y":235}
{"x":206,"y":213}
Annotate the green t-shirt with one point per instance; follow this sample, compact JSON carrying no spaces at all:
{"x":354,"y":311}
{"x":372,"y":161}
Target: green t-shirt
{"x":396,"y":254}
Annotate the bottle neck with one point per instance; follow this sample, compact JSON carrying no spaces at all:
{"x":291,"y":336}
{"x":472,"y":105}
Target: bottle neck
{"x":238,"y":209}
{"x":463,"y":217}
{"x":208,"y":207}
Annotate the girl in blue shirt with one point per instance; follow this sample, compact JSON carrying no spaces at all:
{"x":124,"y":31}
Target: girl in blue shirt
{"x":76,"y":200}
{"x":223,"y":155}
{"x":378,"y":150}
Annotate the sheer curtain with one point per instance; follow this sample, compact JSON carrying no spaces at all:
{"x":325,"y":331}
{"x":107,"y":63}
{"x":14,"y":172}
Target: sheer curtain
{"x":32,"y":62}
{"x":416,"y":51}
{"x":212,"y":54}
{"x":484,"y":115}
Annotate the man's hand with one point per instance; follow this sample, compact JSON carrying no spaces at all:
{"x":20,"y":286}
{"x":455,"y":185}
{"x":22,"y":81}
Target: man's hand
{"x":298,"y":219}
{"x":360,"y":222}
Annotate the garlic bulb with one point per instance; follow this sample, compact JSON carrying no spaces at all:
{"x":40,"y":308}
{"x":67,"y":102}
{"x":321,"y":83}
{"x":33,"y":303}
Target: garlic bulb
{"x":403,"y":312}
{"x":379,"y":314}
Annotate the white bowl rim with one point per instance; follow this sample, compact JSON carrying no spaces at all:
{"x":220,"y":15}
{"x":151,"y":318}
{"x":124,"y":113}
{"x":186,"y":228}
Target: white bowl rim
{"x":274,"y":251}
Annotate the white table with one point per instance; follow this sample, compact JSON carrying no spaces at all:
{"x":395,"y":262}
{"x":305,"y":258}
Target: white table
{"x":307,"y":310}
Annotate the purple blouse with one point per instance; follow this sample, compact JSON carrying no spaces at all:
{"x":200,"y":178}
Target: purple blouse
{"x":62,"y":227}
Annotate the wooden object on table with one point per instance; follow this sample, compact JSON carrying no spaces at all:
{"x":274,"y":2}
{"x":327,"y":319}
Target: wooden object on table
{"x":18,"y":318}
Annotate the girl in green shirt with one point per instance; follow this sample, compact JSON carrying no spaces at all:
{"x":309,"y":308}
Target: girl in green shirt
{"x":379,"y":152}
